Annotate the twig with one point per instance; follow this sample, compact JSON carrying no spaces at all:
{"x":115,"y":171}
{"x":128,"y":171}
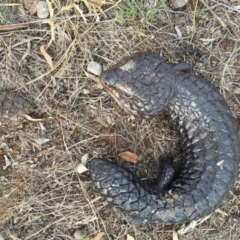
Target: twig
{"x":213,"y":13}
{"x":13,"y":27}
{"x":35,"y":119}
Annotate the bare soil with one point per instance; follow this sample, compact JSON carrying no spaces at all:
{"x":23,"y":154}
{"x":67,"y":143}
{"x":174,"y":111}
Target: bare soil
{"x":42,"y":196}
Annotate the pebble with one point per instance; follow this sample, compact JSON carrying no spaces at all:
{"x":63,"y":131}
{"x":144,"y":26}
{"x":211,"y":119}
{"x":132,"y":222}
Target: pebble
{"x":179,"y":3}
{"x":42,"y":9}
{"x":94,"y":67}
{"x":79,"y":234}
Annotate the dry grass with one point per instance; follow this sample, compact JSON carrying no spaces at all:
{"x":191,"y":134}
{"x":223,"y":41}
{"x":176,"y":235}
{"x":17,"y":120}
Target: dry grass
{"x":49,"y":199}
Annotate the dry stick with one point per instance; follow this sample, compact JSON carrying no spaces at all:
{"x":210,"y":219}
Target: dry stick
{"x":32,"y":119}
{"x":13,"y":27}
{"x":214,"y":15}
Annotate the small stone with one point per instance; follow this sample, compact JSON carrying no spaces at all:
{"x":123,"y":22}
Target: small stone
{"x":179,"y":3}
{"x":94,"y":67}
{"x":42,"y":9}
{"x":3,"y":179}
{"x":79,"y":234}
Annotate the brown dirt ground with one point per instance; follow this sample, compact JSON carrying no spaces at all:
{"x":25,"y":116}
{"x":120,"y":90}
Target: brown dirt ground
{"x":42,"y":196}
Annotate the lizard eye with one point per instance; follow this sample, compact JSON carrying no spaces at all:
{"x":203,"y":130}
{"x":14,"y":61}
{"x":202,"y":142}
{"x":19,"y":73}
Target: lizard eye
{"x":127,"y":95}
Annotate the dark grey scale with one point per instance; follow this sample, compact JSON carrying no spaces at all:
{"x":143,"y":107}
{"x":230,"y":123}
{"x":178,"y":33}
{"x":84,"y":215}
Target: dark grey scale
{"x":119,"y":73}
{"x":221,"y":187}
{"x":204,"y":187}
{"x":111,"y":78}
{"x":210,"y":144}
{"x":107,"y":182}
{"x":213,"y":198}
{"x":128,"y":78}
{"x":164,"y":66}
{"x":147,"y":71}
{"x":136,"y":75}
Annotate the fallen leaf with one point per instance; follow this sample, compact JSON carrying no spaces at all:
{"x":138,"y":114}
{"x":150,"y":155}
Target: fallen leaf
{"x":80,"y":168}
{"x":35,"y":159}
{"x":7,"y":163}
{"x":129,"y":237}
{"x":129,"y":156}
{"x":84,"y":159}
{"x":46,"y":56}
{"x":30,"y":6}
{"x":98,"y":236}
